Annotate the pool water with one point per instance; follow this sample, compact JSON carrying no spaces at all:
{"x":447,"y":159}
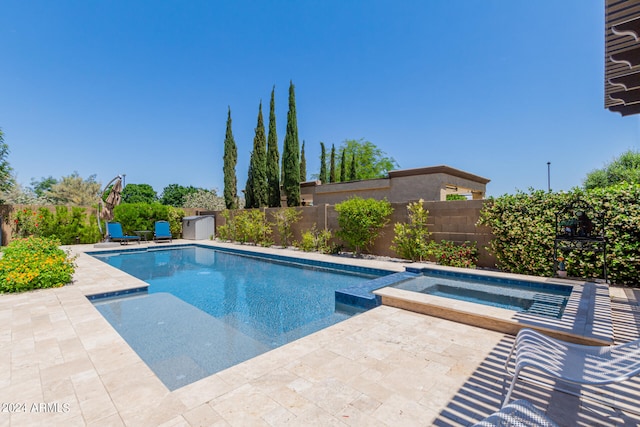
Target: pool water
{"x":206,"y":310}
{"x":547,"y":300}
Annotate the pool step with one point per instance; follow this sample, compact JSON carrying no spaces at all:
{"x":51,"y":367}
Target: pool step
{"x":361,"y":294}
{"x":546,"y":305}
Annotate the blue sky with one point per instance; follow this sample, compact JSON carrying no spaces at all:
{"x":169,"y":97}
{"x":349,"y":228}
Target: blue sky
{"x":495,"y":87}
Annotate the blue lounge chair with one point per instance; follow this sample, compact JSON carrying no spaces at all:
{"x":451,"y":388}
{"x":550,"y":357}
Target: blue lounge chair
{"x":115,"y":234}
{"x":162,"y":231}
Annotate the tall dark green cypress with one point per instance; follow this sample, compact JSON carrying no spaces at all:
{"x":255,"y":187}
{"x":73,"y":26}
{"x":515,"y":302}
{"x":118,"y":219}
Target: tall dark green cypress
{"x":230,"y":159}
{"x":273,"y":157}
{"x":257,"y":180}
{"x":332,"y":166}
{"x":303,"y":165}
{"x":343,"y":167}
{"x":352,"y":168}
{"x":249,"y":200}
{"x":323,"y":164}
{"x":291,"y":154}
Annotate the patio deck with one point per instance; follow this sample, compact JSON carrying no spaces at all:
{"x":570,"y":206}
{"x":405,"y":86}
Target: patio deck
{"x":385,"y":367}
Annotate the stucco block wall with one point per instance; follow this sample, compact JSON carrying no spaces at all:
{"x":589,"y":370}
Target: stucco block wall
{"x":448,"y":220}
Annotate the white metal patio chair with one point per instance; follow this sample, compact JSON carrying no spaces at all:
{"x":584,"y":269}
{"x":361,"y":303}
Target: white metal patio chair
{"x":519,"y":413}
{"x":571,"y":363}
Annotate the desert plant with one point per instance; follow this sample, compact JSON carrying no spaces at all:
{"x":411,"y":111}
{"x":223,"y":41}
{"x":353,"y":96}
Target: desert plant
{"x":246,"y":226}
{"x":284,"y":219}
{"x":34,"y":263}
{"x":361,"y":221}
{"x":411,"y":239}
{"x":227,"y":231}
{"x":252,"y":227}
{"x":315,"y":240}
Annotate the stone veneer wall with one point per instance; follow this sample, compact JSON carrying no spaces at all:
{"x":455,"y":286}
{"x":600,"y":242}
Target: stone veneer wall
{"x":448,"y":220}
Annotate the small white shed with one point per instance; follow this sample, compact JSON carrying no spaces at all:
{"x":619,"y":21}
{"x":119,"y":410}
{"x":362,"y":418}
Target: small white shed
{"x":198,"y":227}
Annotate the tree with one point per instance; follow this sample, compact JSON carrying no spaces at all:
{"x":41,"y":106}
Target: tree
{"x":175,"y":194}
{"x":256,"y":191}
{"x":323,"y":164}
{"x":18,"y":195}
{"x":372,"y":162}
{"x":343,"y":166}
{"x":139,"y":193}
{"x":40,"y":187}
{"x":73,"y":190}
{"x":7,"y":180}
{"x":230,"y":159}
{"x":332,"y":166}
{"x":361,"y":221}
{"x":204,"y":199}
{"x":303,"y":165}
{"x":352,"y":168}
{"x":625,"y":168}
{"x":273,"y":157}
{"x":291,"y":154}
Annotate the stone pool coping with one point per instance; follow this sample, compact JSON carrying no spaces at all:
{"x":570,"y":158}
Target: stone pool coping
{"x":586,"y":318}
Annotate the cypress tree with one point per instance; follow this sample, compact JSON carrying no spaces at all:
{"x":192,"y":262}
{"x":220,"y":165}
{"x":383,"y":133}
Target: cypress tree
{"x":249,"y":200}
{"x":352,"y":169}
{"x":332,"y":166}
{"x":291,"y":154}
{"x":303,"y":165}
{"x":343,"y":167}
{"x":256,"y":189}
{"x":273,"y":157}
{"x":323,"y":164}
{"x":230,"y":159}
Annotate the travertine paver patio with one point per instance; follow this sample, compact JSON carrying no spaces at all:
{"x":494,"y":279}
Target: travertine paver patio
{"x":386,"y":367}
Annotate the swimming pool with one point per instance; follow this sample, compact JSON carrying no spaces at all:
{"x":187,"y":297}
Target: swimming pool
{"x":542,"y":299}
{"x":206,"y":310}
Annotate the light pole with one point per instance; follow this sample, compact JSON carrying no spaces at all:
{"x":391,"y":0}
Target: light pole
{"x":549,"y":177}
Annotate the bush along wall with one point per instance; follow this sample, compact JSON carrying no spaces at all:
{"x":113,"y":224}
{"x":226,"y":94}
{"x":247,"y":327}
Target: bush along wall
{"x":523,"y":226}
{"x":142,"y":216}
{"x":68,"y":225}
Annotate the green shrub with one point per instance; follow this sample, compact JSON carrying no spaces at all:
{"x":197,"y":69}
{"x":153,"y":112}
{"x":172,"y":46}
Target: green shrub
{"x":34,"y":263}
{"x":227,"y":231}
{"x":142,"y":216}
{"x":68,"y":226}
{"x":448,"y":253}
{"x":284,"y":219}
{"x":26,"y":222}
{"x":523,"y":226}
{"x":246,"y":226}
{"x":411,"y":239}
{"x":361,"y":221}
{"x":252,"y":226}
{"x":315,"y":240}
